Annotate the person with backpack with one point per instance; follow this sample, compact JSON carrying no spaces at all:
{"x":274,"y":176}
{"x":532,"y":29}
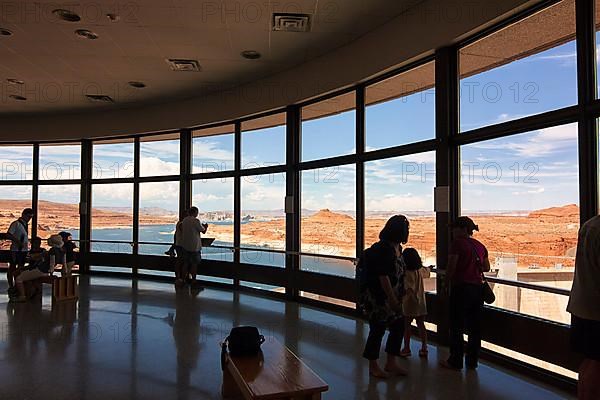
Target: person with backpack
{"x":467,"y":261}
{"x":380,"y":273}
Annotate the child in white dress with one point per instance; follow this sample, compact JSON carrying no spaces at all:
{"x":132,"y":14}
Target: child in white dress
{"x":413,"y":303}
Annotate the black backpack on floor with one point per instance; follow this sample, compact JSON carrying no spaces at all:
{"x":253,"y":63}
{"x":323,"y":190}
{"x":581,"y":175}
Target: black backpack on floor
{"x":243,"y":341}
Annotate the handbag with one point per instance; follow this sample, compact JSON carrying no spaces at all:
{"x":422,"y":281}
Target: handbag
{"x":487,"y":293}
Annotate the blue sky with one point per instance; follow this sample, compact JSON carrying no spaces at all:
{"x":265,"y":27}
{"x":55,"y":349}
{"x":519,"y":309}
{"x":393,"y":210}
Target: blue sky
{"x":546,"y":160}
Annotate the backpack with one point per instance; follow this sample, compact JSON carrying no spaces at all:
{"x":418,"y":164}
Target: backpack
{"x":362,"y":273}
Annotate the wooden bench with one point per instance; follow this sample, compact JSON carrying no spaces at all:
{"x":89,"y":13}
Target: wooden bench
{"x":275,"y":374}
{"x":65,"y":288}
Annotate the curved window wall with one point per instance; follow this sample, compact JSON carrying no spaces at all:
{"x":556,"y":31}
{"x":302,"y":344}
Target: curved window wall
{"x":293,"y":197}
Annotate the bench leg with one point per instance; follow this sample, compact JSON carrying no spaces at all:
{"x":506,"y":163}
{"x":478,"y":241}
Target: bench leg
{"x":230,"y":389}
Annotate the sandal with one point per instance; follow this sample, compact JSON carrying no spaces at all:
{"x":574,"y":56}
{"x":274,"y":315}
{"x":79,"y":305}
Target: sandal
{"x":423,"y":353}
{"x":405,"y":353}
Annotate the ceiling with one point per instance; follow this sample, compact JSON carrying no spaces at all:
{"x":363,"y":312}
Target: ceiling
{"x":59,"y":69}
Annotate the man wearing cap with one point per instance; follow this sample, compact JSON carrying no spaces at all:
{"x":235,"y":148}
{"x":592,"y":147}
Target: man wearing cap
{"x":467,"y":261}
{"x":584,"y":302}
{"x":18,"y":233}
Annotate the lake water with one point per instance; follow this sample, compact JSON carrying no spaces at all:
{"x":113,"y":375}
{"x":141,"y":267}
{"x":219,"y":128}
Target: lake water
{"x":163,"y":234}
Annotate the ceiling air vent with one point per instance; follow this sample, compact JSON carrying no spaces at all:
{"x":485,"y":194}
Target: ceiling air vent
{"x":178,"y":64}
{"x":291,"y":22}
{"x":100,"y":98}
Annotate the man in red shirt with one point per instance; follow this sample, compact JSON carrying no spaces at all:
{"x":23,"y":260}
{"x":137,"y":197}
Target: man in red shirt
{"x":467,"y":260}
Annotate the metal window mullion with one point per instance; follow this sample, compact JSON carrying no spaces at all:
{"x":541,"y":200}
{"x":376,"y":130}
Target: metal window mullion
{"x":447,"y":166}
{"x":34,"y":189}
{"x":360,"y":170}
{"x":85,"y":205}
{"x":136,"y":200}
{"x":586,"y":91}
{"x":292,"y":219}
{"x":185,"y":171}
{"x":237,"y":203}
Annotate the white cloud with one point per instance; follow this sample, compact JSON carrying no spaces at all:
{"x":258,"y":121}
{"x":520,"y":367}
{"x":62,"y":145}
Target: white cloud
{"x":399,"y":203}
{"x":540,"y":143}
{"x":153,"y":166}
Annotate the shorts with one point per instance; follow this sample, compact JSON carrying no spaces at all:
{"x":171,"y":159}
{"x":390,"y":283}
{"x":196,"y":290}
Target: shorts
{"x":192,"y":257}
{"x":18,"y":258}
{"x":585,"y":337}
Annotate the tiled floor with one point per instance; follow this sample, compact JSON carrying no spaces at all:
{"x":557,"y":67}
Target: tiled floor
{"x":147,"y":342}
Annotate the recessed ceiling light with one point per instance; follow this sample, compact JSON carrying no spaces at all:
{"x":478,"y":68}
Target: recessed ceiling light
{"x":113,"y":17}
{"x":87,"y":34}
{"x":137,"y":85}
{"x":14,"y":81}
{"x":66,"y":15}
{"x":5,"y":32}
{"x":250,"y":54}
{"x":17,"y":97}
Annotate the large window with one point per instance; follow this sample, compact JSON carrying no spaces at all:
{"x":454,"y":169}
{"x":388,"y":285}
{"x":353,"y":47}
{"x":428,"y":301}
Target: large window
{"x":523,"y":192}
{"x":214,"y":199}
{"x":213,"y":149}
{"x":60,"y":161}
{"x":526,"y":68}
{"x":263,"y":219}
{"x":159,"y":155}
{"x":159,"y":212}
{"x":112,"y":159}
{"x":112,"y":217}
{"x":58,"y":210}
{"x":13,"y":199}
{"x":401,"y":109}
{"x":263,"y":141}
{"x":328,"y":128}
{"x":402,"y":185}
{"x":328,"y":219}
{"x":16,"y":163}
{"x":597,"y":24}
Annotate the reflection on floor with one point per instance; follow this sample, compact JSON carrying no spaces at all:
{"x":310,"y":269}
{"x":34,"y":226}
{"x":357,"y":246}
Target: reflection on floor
{"x":140,"y":340}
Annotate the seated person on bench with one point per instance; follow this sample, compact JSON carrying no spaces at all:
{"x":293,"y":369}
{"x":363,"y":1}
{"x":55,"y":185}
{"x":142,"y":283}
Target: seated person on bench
{"x":69,"y":248}
{"x":41,"y":264}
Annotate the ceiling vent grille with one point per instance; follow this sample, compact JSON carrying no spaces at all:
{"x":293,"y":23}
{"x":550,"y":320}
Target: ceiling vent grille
{"x":100,"y":98}
{"x":182,"y":65}
{"x":287,"y":22}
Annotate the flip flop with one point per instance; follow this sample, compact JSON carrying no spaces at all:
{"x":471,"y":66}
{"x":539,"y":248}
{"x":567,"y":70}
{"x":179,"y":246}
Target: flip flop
{"x":405,"y":353}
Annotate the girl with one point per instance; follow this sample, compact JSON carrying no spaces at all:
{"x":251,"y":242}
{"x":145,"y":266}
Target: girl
{"x":413,"y":303}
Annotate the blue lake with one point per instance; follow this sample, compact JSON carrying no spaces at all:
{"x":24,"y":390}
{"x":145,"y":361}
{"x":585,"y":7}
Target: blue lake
{"x":163,"y":234}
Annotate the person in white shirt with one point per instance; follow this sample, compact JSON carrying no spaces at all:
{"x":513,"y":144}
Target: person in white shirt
{"x":18,"y":232}
{"x":189,"y":242}
{"x":584,"y":302}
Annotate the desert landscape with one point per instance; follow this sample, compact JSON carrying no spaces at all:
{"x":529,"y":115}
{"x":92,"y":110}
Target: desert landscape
{"x":542,"y":238}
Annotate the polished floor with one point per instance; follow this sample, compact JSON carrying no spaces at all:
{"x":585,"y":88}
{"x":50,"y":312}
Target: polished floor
{"x":141,"y":340}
